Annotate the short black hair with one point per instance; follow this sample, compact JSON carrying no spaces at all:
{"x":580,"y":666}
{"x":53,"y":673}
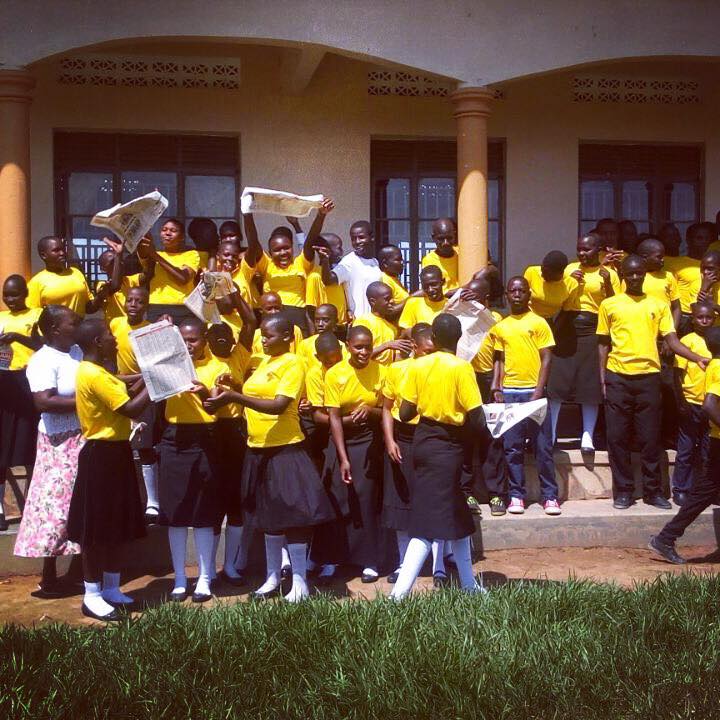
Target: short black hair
{"x":555,"y":260}
{"x":375,"y":288}
{"x":420,"y":330}
{"x":430,"y":270}
{"x":280,"y":322}
{"x":363,"y":224}
{"x":446,"y":330}
{"x":203,"y":232}
{"x":43,"y":242}
{"x":356,"y":330}
{"x":88,"y":332}
{"x":326,"y":342}
{"x":15,"y":279}
{"x":712,"y":340}
{"x":221,"y":327}
{"x":633,"y":260}
{"x":712,"y":254}
{"x":281,"y":231}
{"x":192,"y":322}
{"x":386,"y":250}
{"x":330,"y":306}
{"x":648,"y":243}
{"x":50,"y":317}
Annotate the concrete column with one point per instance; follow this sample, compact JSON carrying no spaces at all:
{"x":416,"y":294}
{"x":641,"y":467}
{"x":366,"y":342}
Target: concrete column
{"x":472,"y":108}
{"x":15,"y":96}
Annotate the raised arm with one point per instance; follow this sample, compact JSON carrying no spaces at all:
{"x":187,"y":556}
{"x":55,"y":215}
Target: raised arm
{"x":248,"y":317}
{"x":315,"y":229}
{"x":149,"y":257}
{"x":254,"y":251}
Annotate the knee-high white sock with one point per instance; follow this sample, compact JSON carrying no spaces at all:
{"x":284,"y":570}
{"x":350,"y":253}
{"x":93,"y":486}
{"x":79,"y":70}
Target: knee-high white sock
{"x":273,"y":561}
{"x":178,"y":550}
{"x":285,"y":555}
{"x":298,"y":560}
{"x":402,"y":541}
{"x":111,"y":589}
{"x":233,"y":538}
{"x":213,"y":562}
{"x":204,"y":538}
{"x":417,"y":551}
{"x":2,"y":497}
{"x":438,"y":559}
{"x":555,"y":406}
{"x":150,"y":478}
{"x":463,"y":561}
{"x":589,"y":419}
{"x":94,"y":602}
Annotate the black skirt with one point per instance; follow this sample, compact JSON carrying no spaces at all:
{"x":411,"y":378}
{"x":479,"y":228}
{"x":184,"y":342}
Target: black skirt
{"x":438,"y":509}
{"x":575,"y":369}
{"x":18,"y":420}
{"x":232,"y":443}
{"x":105,"y":508}
{"x":189,"y":480}
{"x":398,"y":480}
{"x":281,"y":488}
{"x":178,"y":313}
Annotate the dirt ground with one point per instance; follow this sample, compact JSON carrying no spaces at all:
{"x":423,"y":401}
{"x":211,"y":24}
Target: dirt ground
{"x":618,"y":565}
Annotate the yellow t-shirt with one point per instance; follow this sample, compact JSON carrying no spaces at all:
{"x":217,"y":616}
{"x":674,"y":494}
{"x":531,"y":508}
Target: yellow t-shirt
{"x":521,"y":337}
{"x":420,"y":309}
{"x":586,"y":297}
{"x":347,"y":387}
{"x":22,"y":323}
{"x":186,"y":408}
{"x":163,"y":289}
{"x":547,"y":298}
{"x":382,"y":331}
{"x":98,"y":395}
{"x":660,"y":284}
{"x":687,"y":273}
{"x":279,"y":375}
{"x":693,"y":380}
{"x":289,"y":282}
{"x":712,"y":387}
{"x":257,"y":352}
{"x":315,"y":385}
{"x":484,"y":360}
{"x":317,"y":293}
{"x":449,"y":267}
{"x":442,"y":386}
{"x":399,"y":293}
{"x":235,"y":365}
{"x":248,"y":290}
{"x":115,"y":303}
{"x":633,"y":324}
{"x":68,"y":288}
{"x":121,"y":329}
{"x":393,"y":380}
{"x":235,"y":322}
{"x":306,"y":351}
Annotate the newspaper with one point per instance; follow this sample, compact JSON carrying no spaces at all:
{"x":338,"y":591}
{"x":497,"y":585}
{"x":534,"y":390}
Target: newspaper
{"x":201,"y":301}
{"x":475,"y":320}
{"x":6,"y":353}
{"x":500,"y":417}
{"x":164,"y":361}
{"x":130,"y":221}
{"x":261,"y":200}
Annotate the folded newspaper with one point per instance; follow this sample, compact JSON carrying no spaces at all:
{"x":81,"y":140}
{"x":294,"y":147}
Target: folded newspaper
{"x":475,"y":320}
{"x":164,"y":360}
{"x":500,"y":417}
{"x":202,"y":300}
{"x":262,"y":200}
{"x":130,"y":221}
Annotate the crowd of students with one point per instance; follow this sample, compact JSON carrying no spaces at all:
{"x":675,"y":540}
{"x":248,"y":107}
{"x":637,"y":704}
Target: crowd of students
{"x":331,"y":411}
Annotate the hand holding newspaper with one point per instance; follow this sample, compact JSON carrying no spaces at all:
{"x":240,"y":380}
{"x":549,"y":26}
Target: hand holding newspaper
{"x":201,"y":301}
{"x":475,"y":320}
{"x":278,"y":202}
{"x":130,"y":221}
{"x":500,"y":417}
{"x":164,"y":360}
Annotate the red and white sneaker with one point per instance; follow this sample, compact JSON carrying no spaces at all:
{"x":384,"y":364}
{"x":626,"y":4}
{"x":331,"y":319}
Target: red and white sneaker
{"x":516,"y":506}
{"x":552,"y":507}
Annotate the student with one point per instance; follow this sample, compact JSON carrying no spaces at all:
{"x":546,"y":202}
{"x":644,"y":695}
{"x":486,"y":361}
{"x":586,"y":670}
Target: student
{"x":523,"y":342}
{"x":609,"y":233}
{"x":690,"y":385}
{"x":384,"y":332}
{"x":574,"y":374}
{"x":659,"y":283}
{"x":628,"y":327}
{"x":228,"y":259}
{"x":628,"y":237}
{"x":709,"y":277}
{"x":671,"y":239}
{"x":425,"y":308}
{"x":353,"y":468}
{"x":230,"y":230}
{"x":445,"y":255}
{"x":441,"y":389}
{"x":356,"y":270}
{"x":172,"y":271}
{"x":105,"y":510}
{"x":549,"y":286}
{"x":705,"y":489}
{"x":117,"y":284}
{"x":281,"y":487}
{"x":392,"y":265}
{"x":59,"y":284}
{"x":326,"y":320}
{"x":204,"y":235}
{"x":271,"y":304}
{"x":19,"y":339}
{"x":329,"y":247}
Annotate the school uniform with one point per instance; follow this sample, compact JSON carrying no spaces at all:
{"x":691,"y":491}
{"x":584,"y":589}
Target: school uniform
{"x":632,"y":385}
{"x":420,"y":309}
{"x":68,"y":288}
{"x":105,"y":508}
{"x":548,"y":297}
{"x":383,"y":331}
{"x":167,"y":295}
{"x":317,"y":436}
{"x":448,"y":266}
{"x":115,"y":303}
{"x":306,"y":351}
{"x":317,"y":293}
{"x":689,"y":280}
{"x":257,"y":353}
{"x":399,"y":293}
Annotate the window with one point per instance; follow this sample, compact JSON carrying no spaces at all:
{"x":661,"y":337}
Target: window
{"x":648,"y":184}
{"x":93,"y":171}
{"x":413,"y":183}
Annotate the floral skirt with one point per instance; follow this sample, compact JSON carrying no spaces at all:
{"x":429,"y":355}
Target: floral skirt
{"x":43,"y":528}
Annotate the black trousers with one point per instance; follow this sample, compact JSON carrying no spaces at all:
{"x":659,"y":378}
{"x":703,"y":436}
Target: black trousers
{"x":702,"y":495}
{"x":632,"y":411}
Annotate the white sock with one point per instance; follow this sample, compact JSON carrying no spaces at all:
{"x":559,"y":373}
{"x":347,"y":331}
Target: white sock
{"x":273,"y":562}
{"x":150,"y":477}
{"x":438,"y":548}
{"x":370,"y":571}
{"x":589,"y":419}
{"x":555,"y":406}
{"x":285,"y":555}
{"x":233,"y":538}
{"x":402,"y":542}
{"x":213,"y":561}
{"x":298,"y":559}
{"x":2,"y":497}
{"x":463,"y":561}
{"x":93,"y":600}
{"x":177,"y":537}
{"x":204,"y":538}
{"x":415,"y":555}
{"x":111,"y":589}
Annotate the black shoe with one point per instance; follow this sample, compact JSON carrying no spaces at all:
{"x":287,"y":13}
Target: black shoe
{"x":440,"y":580}
{"x":178,"y":597}
{"x":49,"y":592}
{"x":4,"y":524}
{"x":151,"y":518}
{"x":666,"y":551}
{"x":234,"y":581}
{"x":623,"y":501}
{"x":369,"y":578}
{"x":393,"y":576}
{"x":286,"y":572}
{"x":658,"y":501}
{"x":200,"y":597}
{"x":680,"y":498}
{"x":114,"y":616}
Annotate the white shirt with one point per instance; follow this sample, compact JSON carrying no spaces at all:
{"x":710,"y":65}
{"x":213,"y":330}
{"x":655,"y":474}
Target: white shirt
{"x":356,"y":273}
{"x":50,"y":369}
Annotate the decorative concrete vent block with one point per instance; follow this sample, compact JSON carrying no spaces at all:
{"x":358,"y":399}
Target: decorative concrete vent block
{"x":633,"y":90}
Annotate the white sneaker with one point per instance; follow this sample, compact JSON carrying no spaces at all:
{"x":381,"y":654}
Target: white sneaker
{"x":516,"y":506}
{"x":552,"y":507}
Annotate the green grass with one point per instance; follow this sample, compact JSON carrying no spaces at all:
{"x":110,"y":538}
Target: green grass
{"x":549,"y":650}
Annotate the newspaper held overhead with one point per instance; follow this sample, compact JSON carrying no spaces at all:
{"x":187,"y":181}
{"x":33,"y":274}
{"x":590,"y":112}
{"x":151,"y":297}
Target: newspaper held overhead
{"x":130,"y":221}
{"x":500,"y":417}
{"x":202,"y":300}
{"x":278,"y":202}
{"x":475,"y":320}
{"x":164,"y":360}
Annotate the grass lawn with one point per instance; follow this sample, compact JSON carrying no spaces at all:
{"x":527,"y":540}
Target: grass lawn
{"x":526,"y":650}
